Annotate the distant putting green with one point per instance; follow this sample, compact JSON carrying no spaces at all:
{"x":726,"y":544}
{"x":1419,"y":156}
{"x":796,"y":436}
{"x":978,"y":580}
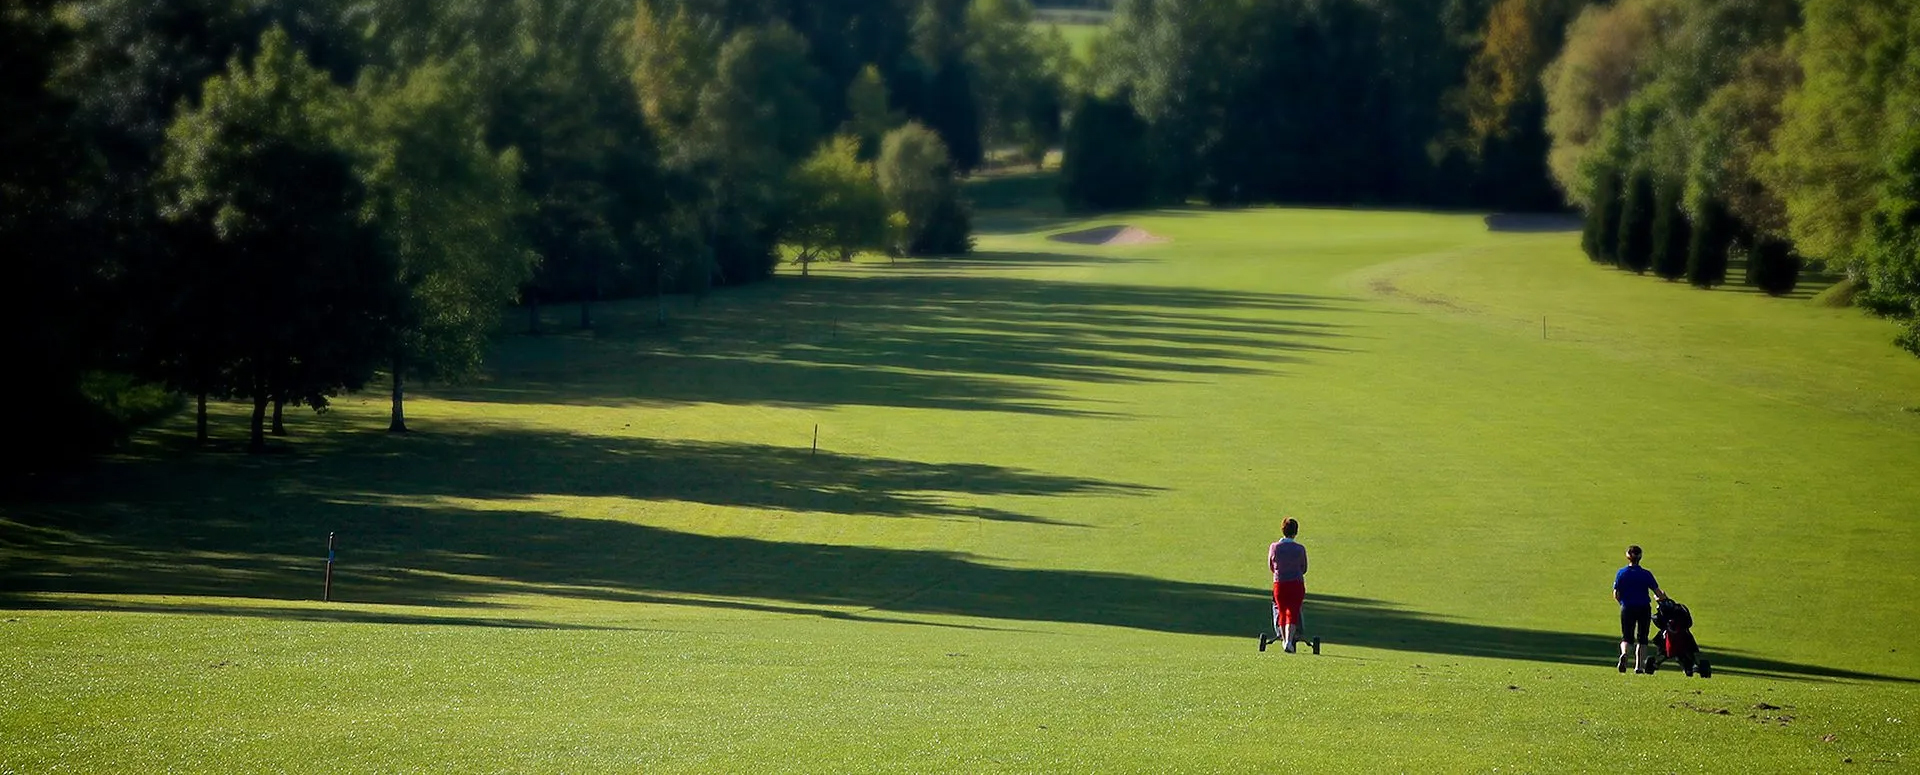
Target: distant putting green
{"x":1032,"y":536}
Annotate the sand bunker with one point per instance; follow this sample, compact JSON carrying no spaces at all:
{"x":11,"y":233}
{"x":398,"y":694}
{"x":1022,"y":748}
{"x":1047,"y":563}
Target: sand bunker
{"x":1110,"y":235}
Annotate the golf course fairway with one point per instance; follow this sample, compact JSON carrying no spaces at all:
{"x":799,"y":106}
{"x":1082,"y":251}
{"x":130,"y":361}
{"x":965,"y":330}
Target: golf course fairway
{"x":1032,"y":535}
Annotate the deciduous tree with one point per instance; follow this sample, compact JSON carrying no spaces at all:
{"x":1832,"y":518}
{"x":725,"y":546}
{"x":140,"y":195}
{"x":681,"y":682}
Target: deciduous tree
{"x":449,"y":210}
{"x":917,"y":177}
{"x":838,"y":209}
{"x":1597,"y":71}
{"x":299,"y":279}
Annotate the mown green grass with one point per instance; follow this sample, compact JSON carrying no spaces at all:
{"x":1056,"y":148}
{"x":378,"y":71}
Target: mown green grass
{"x":1080,"y":36}
{"x":1032,"y":536}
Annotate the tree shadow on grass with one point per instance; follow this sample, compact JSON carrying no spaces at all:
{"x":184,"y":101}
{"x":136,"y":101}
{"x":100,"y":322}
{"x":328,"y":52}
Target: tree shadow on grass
{"x":446,"y":559}
{"x":1534,"y":223}
{"x":991,"y":260}
{"x":471,"y":529}
{"x":962,"y":342}
{"x":297,"y":613}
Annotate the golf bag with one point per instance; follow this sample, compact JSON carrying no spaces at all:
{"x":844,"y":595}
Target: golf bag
{"x":1674,"y":641}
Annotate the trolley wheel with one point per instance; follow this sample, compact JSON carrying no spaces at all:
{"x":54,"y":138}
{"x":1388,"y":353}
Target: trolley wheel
{"x":1706,"y":670}
{"x":1649,"y":665}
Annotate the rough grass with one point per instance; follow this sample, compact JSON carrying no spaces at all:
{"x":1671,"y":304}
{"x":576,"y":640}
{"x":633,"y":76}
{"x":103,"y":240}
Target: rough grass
{"x":1031,"y":537}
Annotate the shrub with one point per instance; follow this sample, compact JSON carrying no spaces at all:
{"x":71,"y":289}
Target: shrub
{"x":948,"y":230}
{"x":1773,"y":266}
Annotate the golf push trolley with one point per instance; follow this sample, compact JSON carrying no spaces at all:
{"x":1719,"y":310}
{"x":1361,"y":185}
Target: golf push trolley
{"x":1272,"y":636}
{"x":1674,"y":642}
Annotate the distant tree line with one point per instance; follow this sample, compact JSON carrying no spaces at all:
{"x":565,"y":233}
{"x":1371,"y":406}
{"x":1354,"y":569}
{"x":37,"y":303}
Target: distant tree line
{"x":1696,"y":135}
{"x":1700,"y":133}
{"x":1348,"y":102}
{"x":280,"y":200}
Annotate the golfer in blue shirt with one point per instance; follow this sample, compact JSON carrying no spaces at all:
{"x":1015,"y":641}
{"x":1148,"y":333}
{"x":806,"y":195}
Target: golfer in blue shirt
{"x":1630,"y":588}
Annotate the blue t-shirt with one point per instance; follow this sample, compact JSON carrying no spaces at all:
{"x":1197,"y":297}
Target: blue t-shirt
{"x":1634,"y":584}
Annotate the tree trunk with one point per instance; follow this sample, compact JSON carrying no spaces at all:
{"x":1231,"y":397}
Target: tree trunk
{"x":200,"y":420}
{"x":399,"y":423}
{"x":660,"y":291}
{"x":257,"y":441}
{"x":279,"y":405}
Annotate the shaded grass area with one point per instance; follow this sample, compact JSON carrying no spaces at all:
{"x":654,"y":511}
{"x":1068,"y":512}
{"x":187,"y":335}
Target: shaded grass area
{"x":1030,"y":538}
{"x":457,"y":518}
{"x":403,"y":545}
{"x":961,"y":342}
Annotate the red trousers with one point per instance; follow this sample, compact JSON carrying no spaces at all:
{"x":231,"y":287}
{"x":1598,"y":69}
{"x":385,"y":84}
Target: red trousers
{"x":1287,"y":597}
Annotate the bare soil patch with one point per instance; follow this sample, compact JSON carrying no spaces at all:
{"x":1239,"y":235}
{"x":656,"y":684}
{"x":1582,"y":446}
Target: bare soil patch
{"x":1110,"y":235}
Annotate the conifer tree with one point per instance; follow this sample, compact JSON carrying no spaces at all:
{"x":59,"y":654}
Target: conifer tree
{"x":1671,"y":234}
{"x":1606,"y":207}
{"x":1636,"y":224}
{"x":1707,"y":249}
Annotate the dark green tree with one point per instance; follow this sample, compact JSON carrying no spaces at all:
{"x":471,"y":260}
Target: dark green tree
{"x":948,"y":102}
{"x":1106,"y":162}
{"x":1018,"y":83}
{"x":1707,"y":249}
{"x":1671,"y":232}
{"x":1330,"y":102}
{"x":917,"y":177}
{"x":735,"y":115}
{"x":1893,"y":239}
{"x":1607,"y":206}
{"x":131,"y":65}
{"x":1636,"y":224}
{"x":1590,"y":233}
{"x":256,"y":170}
{"x":450,"y":213}
{"x":757,"y":121}
{"x":1772,"y":266}
{"x":47,"y":327}
{"x":949,"y":227}
{"x":560,"y":92}
{"x":871,"y":115}
{"x":953,"y":111}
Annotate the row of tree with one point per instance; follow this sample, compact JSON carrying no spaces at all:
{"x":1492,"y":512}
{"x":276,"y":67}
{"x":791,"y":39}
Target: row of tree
{"x":1690,"y":132}
{"x":1308,"y":101}
{"x":1781,"y":130}
{"x":278,"y":200}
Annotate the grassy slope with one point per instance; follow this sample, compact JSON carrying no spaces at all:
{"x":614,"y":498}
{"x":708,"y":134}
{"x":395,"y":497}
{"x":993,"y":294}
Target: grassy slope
{"x":1032,"y":538}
